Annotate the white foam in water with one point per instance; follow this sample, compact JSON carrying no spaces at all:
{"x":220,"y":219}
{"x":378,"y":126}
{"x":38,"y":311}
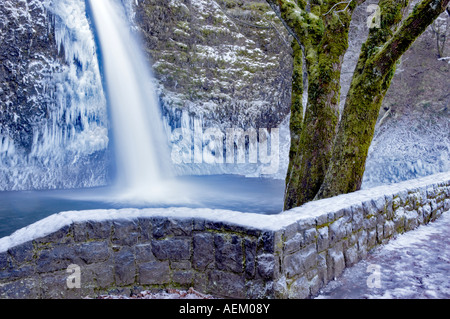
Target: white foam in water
{"x":142,"y":150}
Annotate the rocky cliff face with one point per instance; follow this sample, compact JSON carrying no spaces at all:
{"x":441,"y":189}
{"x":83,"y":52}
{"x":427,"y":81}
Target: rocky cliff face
{"x":29,"y":57}
{"x":226,"y":59}
{"x":53,"y":123}
{"x":412,"y":137}
{"x":218,"y":64}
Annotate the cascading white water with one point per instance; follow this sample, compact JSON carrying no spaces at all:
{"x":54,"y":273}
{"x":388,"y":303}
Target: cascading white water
{"x":142,"y":151}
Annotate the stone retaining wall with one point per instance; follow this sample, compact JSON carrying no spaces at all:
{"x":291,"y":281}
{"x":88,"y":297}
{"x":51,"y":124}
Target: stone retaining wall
{"x":290,"y":255}
{"x":124,"y":255}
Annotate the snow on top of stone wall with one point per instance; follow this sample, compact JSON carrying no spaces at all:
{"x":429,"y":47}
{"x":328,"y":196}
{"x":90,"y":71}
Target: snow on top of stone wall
{"x":315,"y":208}
{"x":310,"y":210}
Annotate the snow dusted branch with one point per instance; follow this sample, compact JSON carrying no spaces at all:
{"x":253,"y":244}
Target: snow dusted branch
{"x":342,"y":2}
{"x":300,"y":22}
{"x":339,"y":11}
{"x":274,"y":5}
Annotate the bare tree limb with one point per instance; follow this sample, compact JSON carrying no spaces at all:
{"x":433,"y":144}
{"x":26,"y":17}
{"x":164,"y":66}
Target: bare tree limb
{"x":342,"y":2}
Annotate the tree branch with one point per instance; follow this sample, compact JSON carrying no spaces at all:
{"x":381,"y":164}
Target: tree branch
{"x":342,"y":2}
{"x":421,"y":17}
{"x":275,"y":7}
{"x":296,"y":20}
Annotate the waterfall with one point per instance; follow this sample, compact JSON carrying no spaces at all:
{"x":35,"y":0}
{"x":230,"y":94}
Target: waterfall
{"x":141,"y":146}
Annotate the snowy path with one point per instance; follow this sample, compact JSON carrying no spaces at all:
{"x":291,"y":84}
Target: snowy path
{"x":415,"y":265}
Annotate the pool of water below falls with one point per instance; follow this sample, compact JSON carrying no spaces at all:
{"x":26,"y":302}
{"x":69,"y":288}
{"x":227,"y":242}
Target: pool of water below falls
{"x":232,"y":192}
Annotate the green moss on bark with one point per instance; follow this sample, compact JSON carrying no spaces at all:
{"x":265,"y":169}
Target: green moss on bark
{"x":326,"y":160}
{"x":370,"y":83}
{"x":311,"y":150}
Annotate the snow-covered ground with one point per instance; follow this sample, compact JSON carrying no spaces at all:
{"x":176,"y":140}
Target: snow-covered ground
{"x":165,"y":294}
{"x":415,"y":265}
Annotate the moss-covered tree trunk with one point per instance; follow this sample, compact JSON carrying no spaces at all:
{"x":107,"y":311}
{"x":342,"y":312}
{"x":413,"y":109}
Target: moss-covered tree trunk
{"x":312,"y":135}
{"x":296,"y":115}
{"x":314,"y":144}
{"x":327,"y":159}
{"x":368,"y":88}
